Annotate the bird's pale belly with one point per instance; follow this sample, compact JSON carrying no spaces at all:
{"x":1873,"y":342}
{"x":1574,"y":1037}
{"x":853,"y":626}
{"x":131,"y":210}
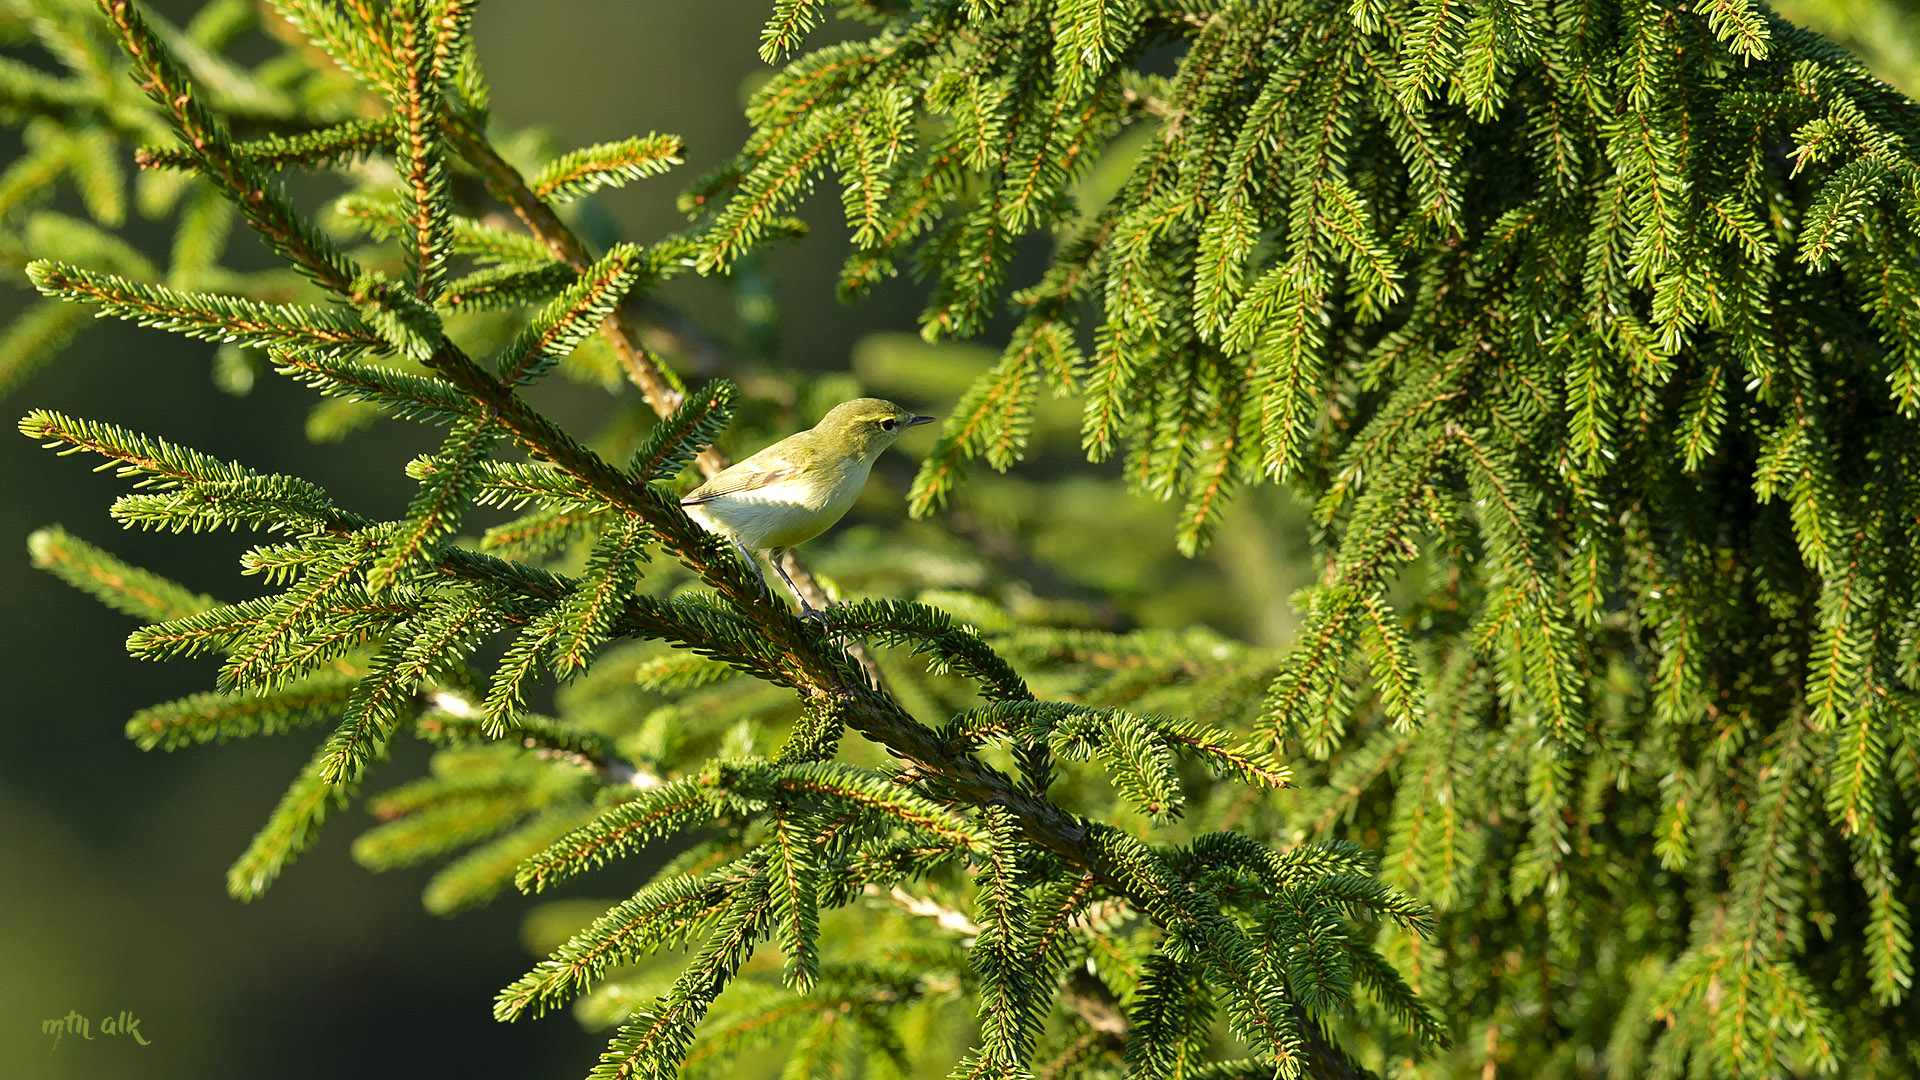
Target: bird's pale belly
{"x":776,"y":516}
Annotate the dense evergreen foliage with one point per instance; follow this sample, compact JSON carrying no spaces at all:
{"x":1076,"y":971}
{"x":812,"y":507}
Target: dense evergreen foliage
{"x":1591,"y":331}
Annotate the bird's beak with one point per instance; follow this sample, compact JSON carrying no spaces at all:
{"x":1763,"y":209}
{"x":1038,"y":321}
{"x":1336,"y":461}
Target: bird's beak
{"x":916,"y":421}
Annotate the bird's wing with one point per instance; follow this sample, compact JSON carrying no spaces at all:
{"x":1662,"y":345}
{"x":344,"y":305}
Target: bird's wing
{"x":762,"y":469}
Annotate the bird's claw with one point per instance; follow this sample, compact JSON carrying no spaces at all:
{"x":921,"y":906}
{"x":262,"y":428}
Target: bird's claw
{"x":814,"y":615}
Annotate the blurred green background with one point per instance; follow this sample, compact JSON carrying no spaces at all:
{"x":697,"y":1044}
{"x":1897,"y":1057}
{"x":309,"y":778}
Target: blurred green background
{"x":112,"y":861}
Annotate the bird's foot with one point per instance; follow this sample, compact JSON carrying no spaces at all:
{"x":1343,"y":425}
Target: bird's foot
{"x":814,"y":615}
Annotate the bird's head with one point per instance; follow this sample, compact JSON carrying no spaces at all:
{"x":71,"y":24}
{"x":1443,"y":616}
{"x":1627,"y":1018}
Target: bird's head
{"x":863,"y":427}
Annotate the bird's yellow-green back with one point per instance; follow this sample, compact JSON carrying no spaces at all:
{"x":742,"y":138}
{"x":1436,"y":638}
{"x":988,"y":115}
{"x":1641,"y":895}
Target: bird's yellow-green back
{"x":799,"y":487}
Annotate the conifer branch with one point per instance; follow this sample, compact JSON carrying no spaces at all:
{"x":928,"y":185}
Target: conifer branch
{"x":125,"y":588}
{"x":291,"y":828}
{"x":932,"y":631}
{"x":217,"y":717}
{"x":581,"y":173}
{"x":447,"y":485}
{"x":330,"y":147}
{"x":455,"y":717}
{"x":259,"y":198}
{"x":368,"y":57}
{"x":207,"y":316}
{"x":403,"y":396}
{"x":507,"y":184}
{"x":572,"y":316}
{"x":663,"y":914}
{"x":201,"y":490}
{"x":508,"y":285}
{"x":656,"y":1043}
{"x":419,"y":50}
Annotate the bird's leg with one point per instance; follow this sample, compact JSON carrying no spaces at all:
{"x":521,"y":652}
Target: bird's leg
{"x":753,"y":564}
{"x":807,"y":611}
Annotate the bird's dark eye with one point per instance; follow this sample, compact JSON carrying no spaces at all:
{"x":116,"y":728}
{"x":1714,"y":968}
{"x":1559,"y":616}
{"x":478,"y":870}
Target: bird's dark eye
{"x":888,"y":424}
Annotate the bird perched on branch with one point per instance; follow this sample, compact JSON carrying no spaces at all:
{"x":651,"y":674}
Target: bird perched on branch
{"x":797,"y":488}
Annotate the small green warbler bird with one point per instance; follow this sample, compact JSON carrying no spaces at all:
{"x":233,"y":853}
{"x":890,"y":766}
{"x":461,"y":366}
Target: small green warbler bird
{"x":797,"y":488}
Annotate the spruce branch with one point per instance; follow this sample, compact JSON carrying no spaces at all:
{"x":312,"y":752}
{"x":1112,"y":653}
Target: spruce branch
{"x":661,"y":392}
{"x":420,"y":46}
{"x":510,"y":187}
{"x":815,"y":671}
{"x":619,"y":830}
{"x":337,"y":146}
{"x":508,"y":285}
{"x":657,"y":1042}
{"x":664,"y":914}
{"x":382,"y":216}
{"x":207,"y":316}
{"x":291,"y":828}
{"x":260,"y":199}
{"x":591,"y":611}
{"x":572,"y":316}
{"x":447,"y":484}
{"x":793,"y":877}
{"x":124,"y":588}
{"x":202,"y":718}
{"x":455,"y":717}
{"x":401,"y":395}
{"x":932,"y":631}
{"x":199,"y":490}
{"x":582,"y":172}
